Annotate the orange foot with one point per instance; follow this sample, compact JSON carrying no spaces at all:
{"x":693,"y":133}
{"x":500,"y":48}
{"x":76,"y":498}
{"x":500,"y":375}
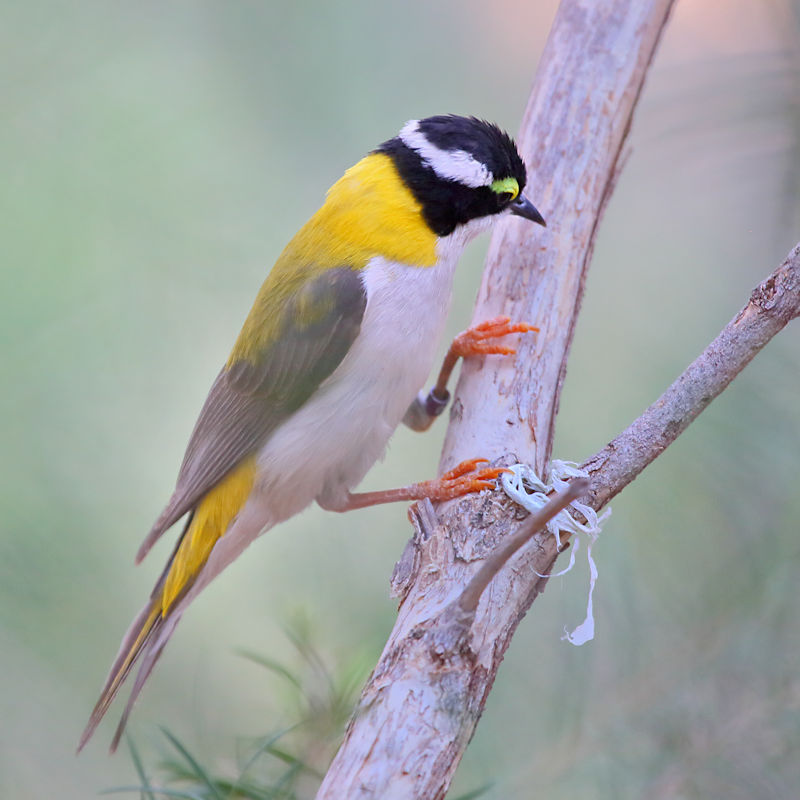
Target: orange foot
{"x":462,"y":479}
{"x":481,"y":339}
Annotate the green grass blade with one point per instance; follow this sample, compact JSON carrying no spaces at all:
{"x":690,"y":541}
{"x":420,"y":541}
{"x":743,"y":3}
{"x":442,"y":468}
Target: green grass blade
{"x":272,"y":666}
{"x":194,"y":765}
{"x":264,"y":747}
{"x":293,"y":761}
{"x":145,"y":789}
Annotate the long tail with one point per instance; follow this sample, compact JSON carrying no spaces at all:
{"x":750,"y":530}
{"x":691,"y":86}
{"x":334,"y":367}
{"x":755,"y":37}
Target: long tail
{"x":186,"y":572}
{"x":143,"y":632}
{"x":146,"y":636}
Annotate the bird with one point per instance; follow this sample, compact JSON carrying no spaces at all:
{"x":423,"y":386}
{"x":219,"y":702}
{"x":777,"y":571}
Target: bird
{"x":331,"y":358}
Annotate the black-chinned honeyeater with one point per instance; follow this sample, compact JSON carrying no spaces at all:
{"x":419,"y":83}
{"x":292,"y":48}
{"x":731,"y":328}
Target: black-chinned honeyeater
{"x":330,"y":360}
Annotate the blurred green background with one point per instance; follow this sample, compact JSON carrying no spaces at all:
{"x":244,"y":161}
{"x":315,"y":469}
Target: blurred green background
{"x":156,"y":157}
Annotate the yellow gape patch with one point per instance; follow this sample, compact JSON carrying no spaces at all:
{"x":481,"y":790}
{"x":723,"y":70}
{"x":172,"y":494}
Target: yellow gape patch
{"x":211,"y":520}
{"x":507,"y":186}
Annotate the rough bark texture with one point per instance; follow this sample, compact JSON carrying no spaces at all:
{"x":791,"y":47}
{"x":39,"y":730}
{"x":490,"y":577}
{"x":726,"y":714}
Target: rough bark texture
{"x":572,"y":135}
{"x":423,"y":701}
{"x":426,"y":695}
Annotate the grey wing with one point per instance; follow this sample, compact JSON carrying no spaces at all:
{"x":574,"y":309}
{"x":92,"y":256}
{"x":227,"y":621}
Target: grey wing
{"x":248,"y":401}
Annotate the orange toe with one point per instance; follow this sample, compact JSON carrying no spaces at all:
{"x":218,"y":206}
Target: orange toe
{"x":461,"y":480}
{"x":481,"y":339}
{"x":463,"y":468}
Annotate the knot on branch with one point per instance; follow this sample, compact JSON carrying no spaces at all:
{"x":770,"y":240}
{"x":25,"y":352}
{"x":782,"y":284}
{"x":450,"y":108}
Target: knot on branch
{"x":449,"y":636}
{"x":781,"y":288}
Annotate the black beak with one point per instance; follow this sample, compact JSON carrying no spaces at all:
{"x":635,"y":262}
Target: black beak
{"x":522,"y":207}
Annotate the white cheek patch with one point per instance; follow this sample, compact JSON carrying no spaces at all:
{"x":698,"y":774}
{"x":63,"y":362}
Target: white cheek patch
{"x":452,"y":165}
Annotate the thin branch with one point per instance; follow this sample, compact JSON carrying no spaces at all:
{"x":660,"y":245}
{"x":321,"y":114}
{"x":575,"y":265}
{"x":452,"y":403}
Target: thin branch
{"x":423,"y":701}
{"x":427,"y":692}
{"x":773,"y":303}
{"x":468,"y":601}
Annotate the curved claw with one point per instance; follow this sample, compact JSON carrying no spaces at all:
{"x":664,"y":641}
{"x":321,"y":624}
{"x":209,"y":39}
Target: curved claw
{"x":477,"y":340}
{"x":463,"y":468}
{"x":463,"y":479}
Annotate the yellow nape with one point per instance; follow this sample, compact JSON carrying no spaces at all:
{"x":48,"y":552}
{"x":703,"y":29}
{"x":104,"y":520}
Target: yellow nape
{"x":211,"y":520}
{"x":368,"y":212}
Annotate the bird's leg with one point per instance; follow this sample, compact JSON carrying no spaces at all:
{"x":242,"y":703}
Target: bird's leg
{"x":481,"y":339}
{"x":466,"y":478}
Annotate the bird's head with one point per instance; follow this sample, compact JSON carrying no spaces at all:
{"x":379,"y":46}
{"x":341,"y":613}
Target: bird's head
{"x":461,"y":170}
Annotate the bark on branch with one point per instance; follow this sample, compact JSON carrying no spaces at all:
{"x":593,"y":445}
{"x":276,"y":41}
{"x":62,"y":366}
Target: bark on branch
{"x":422,"y":702}
{"x":773,"y":303}
{"x":430,"y":660}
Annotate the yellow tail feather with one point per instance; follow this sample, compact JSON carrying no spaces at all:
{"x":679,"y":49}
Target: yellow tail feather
{"x":211,"y":520}
{"x":150,"y":630}
{"x":139,"y":632}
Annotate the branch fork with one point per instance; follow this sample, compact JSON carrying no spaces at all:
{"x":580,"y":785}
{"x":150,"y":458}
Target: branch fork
{"x":420,"y":708}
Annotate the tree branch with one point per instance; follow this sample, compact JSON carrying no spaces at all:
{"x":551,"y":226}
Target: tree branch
{"x":422,"y":702}
{"x":572,"y":137}
{"x":773,"y":303}
{"x":492,"y":564}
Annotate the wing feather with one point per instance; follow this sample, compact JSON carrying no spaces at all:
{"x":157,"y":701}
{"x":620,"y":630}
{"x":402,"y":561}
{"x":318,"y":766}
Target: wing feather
{"x":250,"y":398}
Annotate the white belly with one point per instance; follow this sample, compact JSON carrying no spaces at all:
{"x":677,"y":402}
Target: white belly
{"x":326,"y":448}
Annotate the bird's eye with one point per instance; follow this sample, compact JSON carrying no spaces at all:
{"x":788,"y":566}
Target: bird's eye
{"x":507,"y":189}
